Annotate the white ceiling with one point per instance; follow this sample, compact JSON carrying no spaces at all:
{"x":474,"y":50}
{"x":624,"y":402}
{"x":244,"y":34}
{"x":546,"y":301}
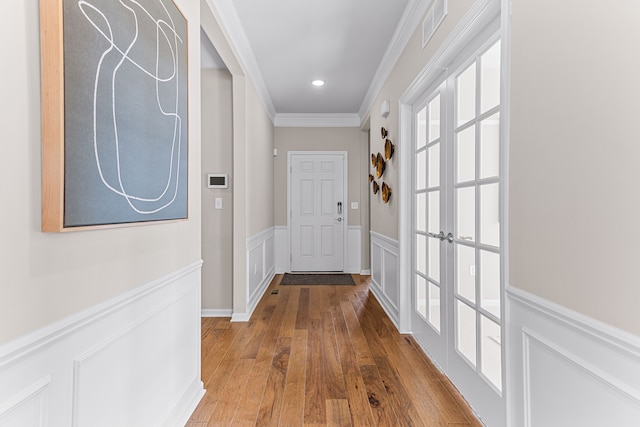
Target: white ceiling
{"x":285,"y":44}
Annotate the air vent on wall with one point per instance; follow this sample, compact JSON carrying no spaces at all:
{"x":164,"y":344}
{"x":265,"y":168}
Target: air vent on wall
{"x":433,"y":20}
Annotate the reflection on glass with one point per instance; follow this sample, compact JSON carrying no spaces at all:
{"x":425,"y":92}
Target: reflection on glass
{"x":434,"y":259}
{"x":490,"y":214}
{"x":434,"y":119}
{"x":421,"y":212}
{"x":434,"y":212}
{"x":490,"y":147}
{"x":421,"y":131}
{"x":490,"y":77}
{"x":434,"y":165}
{"x":466,"y":154}
{"x":421,"y":170}
{"x":466,"y":94}
{"x":421,"y":253}
{"x":421,"y":295}
{"x":466,"y":272}
{"x":466,"y":332}
{"x":490,"y":282}
{"x":466,"y":213}
{"x":434,"y":306}
{"x":491,"y":351}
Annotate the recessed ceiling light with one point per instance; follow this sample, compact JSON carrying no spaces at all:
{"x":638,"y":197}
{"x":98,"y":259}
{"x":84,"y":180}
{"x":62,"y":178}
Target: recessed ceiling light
{"x":318,"y":82}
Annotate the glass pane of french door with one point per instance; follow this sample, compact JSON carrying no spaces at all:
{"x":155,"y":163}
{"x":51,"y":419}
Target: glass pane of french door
{"x":427,"y":204}
{"x":477,"y":251}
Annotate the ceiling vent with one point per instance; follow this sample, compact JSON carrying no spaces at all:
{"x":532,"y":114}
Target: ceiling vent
{"x":433,"y":20}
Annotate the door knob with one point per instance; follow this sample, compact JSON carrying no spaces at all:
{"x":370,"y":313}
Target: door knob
{"x":437,"y":236}
{"x":339,"y":219}
{"x":442,"y":237}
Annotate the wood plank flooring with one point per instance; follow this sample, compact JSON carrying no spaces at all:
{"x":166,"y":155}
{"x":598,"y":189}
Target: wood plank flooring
{"x":321,"y":356}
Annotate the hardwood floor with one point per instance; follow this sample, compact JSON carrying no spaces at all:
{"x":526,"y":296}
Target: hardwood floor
{"x":320,"y":356}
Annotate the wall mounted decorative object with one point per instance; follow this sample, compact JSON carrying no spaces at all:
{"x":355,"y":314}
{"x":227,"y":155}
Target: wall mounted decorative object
{"x":380,"y":165}
{"x":114,"y":113}
{"x":370,"y":178}
{"x":386,"y":192}
{"x":384,"y":133}
{"x":376,"y":187}
{"x":384,"y":109}
{"x":389,"y":148}
{"x":373,"y":160}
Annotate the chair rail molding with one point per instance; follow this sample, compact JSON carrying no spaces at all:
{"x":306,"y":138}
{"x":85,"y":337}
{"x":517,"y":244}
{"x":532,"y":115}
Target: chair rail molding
{"x":63,"y":374}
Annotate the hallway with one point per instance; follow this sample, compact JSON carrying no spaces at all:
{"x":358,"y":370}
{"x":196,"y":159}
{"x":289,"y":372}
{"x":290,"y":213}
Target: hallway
{"x":321,"y":355}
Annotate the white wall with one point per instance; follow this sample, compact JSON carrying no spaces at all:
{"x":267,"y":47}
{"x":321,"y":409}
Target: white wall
{"x":217,"y":236}
{"x":574,"y":204}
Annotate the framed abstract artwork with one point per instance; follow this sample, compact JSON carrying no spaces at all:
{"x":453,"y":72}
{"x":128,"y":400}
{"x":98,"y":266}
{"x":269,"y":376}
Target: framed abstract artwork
{"x":114,"y":113}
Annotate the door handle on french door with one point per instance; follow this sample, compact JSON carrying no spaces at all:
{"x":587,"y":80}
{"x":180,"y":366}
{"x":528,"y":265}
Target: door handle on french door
{"x":339,"y":208}
{"x":437,"y":236}
{"x":442,"y":237}
{"x":339,"y":219}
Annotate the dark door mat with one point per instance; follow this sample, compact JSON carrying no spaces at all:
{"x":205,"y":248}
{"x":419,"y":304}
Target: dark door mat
{"x":317,"y":279}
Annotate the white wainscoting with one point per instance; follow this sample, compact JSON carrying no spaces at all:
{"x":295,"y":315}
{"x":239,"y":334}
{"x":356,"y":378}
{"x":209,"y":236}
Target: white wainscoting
{"x":283,"y":261}
{"x":353,"y":255}
{"x":566,"y":369}
{"x":354,"y":249}
{"x":260,"y":269}
{"x":131,"y":361}
{"x":384,"y":273}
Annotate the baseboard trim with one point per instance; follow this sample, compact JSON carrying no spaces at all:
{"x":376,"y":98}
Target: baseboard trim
{"x":365,"y":272}
{"x":181,"y":414}
{"x":216,"y":312}
{"x":386,"y":306}
{"x":245,"y":317}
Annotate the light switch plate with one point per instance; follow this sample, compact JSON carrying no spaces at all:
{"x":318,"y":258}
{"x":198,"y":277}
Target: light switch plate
{"x":218,"y":202}
{"x":354,"y":205}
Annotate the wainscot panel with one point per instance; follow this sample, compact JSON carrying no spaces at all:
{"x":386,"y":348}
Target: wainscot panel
{"x":384,"y":278}
{"x":281,"y":254}
{"x":260,"y":270}
{"x":568,"y":369}
{"x":133,"y":360}
{"x":354,"y":251}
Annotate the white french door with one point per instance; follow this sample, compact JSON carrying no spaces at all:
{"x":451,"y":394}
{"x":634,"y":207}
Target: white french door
{"x":317,"y":211}
{"x":457,"y":243}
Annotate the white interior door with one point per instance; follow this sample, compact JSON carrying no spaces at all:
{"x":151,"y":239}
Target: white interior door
{"x":457,"y":270}
{"x":429,"y":272}
{"x":317,"y":211}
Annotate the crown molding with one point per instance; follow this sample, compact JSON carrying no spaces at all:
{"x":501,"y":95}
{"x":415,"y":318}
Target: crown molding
{"x":238,"y":38}
{"x":316,"y":120}
{"x":412,"y":16}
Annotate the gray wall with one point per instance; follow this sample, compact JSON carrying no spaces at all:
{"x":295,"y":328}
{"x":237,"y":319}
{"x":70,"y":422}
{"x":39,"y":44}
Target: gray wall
{"x":217,"y":243}
{"x":574,"y":149}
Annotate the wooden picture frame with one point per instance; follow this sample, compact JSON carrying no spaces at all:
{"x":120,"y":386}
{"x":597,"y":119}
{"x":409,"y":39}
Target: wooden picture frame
{"x":114,"y":113}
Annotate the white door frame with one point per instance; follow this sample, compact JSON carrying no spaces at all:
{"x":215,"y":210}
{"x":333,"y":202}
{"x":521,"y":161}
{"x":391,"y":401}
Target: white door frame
{"x":479,"y":20}
{"x":345,"y":210}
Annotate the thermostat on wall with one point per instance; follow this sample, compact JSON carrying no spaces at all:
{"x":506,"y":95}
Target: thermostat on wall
{"x":218,"y":180}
